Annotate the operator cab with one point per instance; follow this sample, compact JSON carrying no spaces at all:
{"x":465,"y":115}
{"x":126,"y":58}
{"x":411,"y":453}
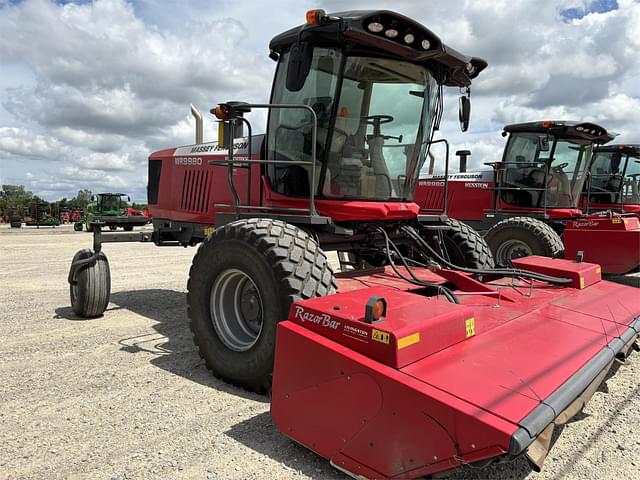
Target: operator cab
{"x":374,"y":81}
{"x":615,"y":175}
{"x":110,"y":201}
{"x":545,"y":164}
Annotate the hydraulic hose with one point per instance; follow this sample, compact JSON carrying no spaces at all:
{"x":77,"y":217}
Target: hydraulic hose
{"x":507,"y":272}
{"x":449,"y":295}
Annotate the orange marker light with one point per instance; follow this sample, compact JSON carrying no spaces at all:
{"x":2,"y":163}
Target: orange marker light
{"x":220,"y":112}
{"x":375,"y":309}
{"x":314,"y":17}
{"x":547,"y":124}
{"x":378,"y":309}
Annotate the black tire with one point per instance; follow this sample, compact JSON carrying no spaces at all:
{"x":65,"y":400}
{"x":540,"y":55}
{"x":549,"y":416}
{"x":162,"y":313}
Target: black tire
{"x":466,"y":247}
{"x":77,"y":227}
{"x":128,"y":228}
{"x":522,"y":236}
{"x":90,"y":295}
{"x":284,"y":265}
{"x":113,"y":228}
{"x":16,"y":224}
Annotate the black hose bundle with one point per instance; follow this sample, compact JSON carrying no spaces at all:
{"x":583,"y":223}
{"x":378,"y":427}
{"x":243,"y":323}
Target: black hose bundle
{"x":506,"y":272}
{"x":448,"y":294}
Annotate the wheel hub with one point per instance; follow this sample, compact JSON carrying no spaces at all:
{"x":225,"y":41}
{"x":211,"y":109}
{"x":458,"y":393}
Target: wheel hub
{"x":512,"y":249}
{"x":236,"y":310}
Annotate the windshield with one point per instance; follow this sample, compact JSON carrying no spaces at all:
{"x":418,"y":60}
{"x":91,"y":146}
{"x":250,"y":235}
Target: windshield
{"x":615,"y":178}
{"x":373,"y":127}
{"x":531,"y":178}
{"x":110,"y":203}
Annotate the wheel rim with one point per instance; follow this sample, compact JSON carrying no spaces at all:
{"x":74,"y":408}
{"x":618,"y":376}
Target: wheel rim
{"x":512,"y":249}
{"x":236,"y":310}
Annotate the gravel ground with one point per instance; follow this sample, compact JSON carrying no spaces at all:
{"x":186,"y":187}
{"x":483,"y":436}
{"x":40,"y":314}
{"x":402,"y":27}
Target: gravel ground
{"x":126,"y":395}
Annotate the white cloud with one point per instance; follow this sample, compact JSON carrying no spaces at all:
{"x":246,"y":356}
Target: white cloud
{"x":20,"y":142}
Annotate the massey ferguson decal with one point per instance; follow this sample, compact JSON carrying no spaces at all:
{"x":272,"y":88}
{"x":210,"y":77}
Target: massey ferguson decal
{"x":217,"y":148}
{"x":476,"y":185}
{"x":430,"y":183}
{"x":323,"y":320}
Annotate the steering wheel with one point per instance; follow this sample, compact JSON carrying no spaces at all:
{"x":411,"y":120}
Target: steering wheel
{"x":376,"y":121}
{"x":559,"y":168}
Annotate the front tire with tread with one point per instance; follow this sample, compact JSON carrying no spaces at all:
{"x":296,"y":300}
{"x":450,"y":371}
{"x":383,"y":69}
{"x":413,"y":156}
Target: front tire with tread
{"x":465,"y":246}
{"x":283,"y":262}
{"x":519,"y":236}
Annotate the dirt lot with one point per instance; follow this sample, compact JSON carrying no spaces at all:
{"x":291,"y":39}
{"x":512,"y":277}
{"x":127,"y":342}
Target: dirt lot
{"x":126,"y":395}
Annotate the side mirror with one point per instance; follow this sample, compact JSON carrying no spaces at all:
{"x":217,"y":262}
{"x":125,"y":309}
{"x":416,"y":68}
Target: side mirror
{"x":544,"y":144}
{"x":464,"y":112}
{"x":128,"y":198}
{"x":300,"y":57}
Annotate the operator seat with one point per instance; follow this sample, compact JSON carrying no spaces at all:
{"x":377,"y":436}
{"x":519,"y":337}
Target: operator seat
{"x":559,"y":189}
{"x":383,"y":185}
{"x":345,"y":166}
{"x":613,"y":186}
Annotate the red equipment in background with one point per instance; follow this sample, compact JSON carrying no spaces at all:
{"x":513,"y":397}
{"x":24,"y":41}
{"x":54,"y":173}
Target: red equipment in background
{"x":65,"y":215}
{"x":615,"y":180}
{"x":528,"y":202}
{"x":76,"y":215}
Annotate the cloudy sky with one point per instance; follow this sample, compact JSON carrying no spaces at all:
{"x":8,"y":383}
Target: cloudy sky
{"x":89,"y":89}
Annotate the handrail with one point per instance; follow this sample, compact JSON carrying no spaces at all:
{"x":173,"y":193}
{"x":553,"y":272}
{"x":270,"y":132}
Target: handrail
{"x":230,"y":159}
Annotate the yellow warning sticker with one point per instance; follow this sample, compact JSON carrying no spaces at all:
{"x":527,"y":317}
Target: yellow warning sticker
{"x":581,"y":283}
{"x":408,"y":340}
{"x":471,"y":327}
{"x":616,"y":220}
{"x":379,"y":336}
{"x":208,"y":231}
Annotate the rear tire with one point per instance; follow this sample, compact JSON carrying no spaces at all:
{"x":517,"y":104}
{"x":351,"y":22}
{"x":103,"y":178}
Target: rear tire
{"x":466,"y":247}
{"x":16,"y":224}
{"x":128,"y":228}
{"x":521,"y":237}
{"x":90,"y":295}
{"x":113,"y":228}
{"x":271,"y":262}
{"x":77,"y":227}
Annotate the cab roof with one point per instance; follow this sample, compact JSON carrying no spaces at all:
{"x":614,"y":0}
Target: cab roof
{"x":626,"y":148}
{"x":349,"y":30}
{"x":563,"y":128}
